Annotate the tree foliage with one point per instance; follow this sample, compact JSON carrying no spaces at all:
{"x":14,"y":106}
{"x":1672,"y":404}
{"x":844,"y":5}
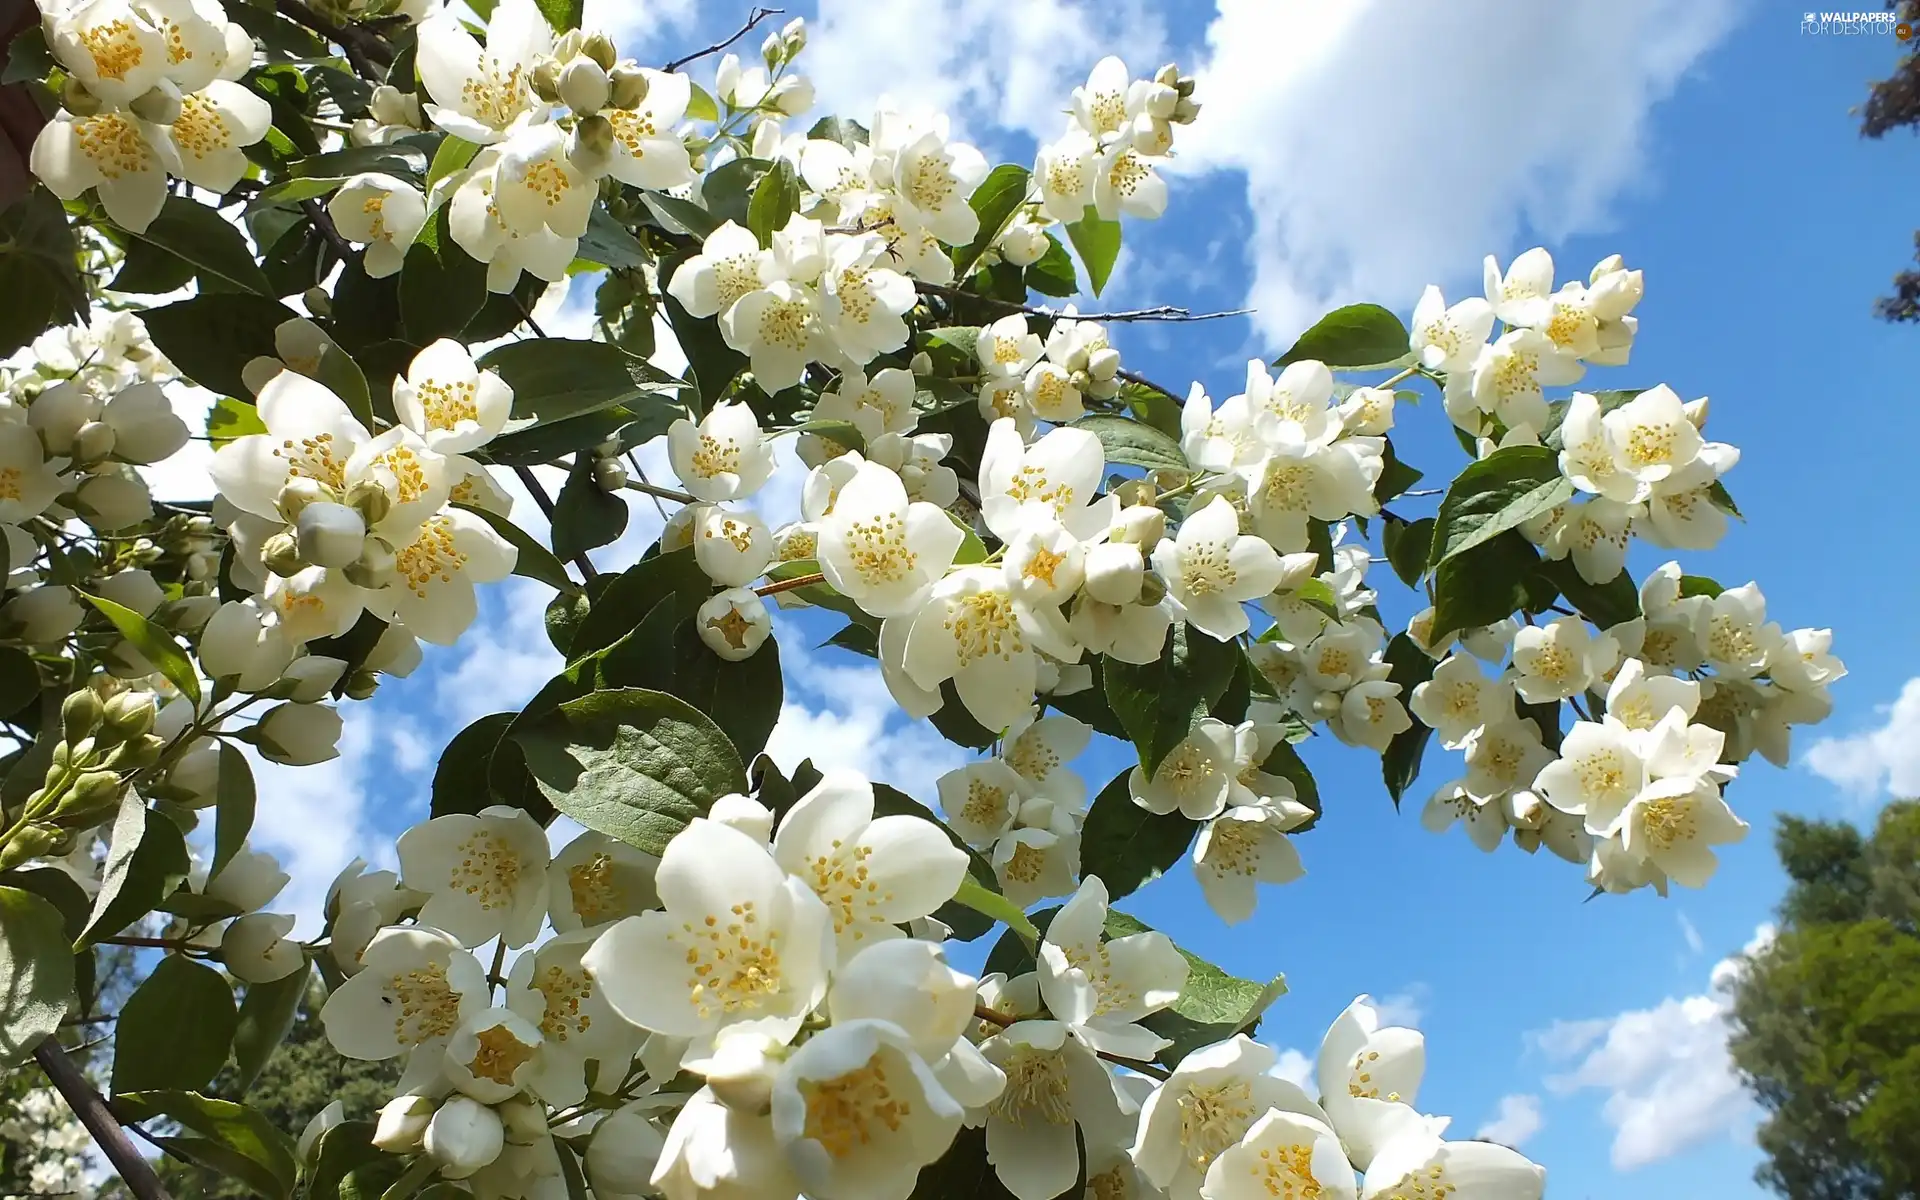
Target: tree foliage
{"x":1827,"y":1017}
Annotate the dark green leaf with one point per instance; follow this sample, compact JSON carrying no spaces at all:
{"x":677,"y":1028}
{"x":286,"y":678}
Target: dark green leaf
{"x":296,"y":189}
{"x":394,"y":158}
{"x":535,"y":561}
{"x":556,"y":378}
{"x":743,"y":698}
{"x":633,"y":593}
{"x":233,"y":807}
{"x":146,"y":861}
{"x":155,"y":644}
{"x":214,"y":245}
{"x":680,"y":215}
{"x":252,"y":1150}
{"x":1500,"y":492}
{"x":850,"y":134}
{"x":1699,"y":585}
{"x":1483,"y":585}
{"x":727,"y":190}
{"x":1400,"y":762}
{"x":149,"y":270}
{"x":174,"y":1031}
{"x":585,"y":515}
{"x":36,"y":973}
{"x":1723,"y":499}
{"x":1606,"y":605}
{"x":860,"y":639}
{"x":998,"y":197}
{"x":1052,"y":274}
{"x":774,"y":200}
{"x":610,"y":243}
{"x":1284,"y":761}
{"x":1090,"y":703}
{"x":209,"y":338}
{"x":1396,"y":478}
{"x":441,"y":286}
{"x":266,"y":1014}
{"x":1407,"y":546}
{"x":1356,"y":337}
{"x":28,"y":58}
{"x":1125,"y":845}
{"x":964,"y":1173}
{"x":1159,"y":702}
{"x":460,"y":779}
{"x":346,"y":1152}
{"x":630,"y":763}
{"x":1134,"y":443}
{"x":19,"y":680}
{"x":38,"y":275}
{"x":1098,"y":242}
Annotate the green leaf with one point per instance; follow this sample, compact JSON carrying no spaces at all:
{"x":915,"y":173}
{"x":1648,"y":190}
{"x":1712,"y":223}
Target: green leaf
{"x":557,"y":378}
{"x":266,"y":1014}
{"x":229,"y":419}
{"x":394,"y":158}
{"x":441,"y":286}
{"x":1098,"y":242}
{"x":1408,"y":544}
{"x":1125,"y":845}
{"x":774,"y":200}
{"x":998,"y":197}
{"x":1052,"y":274}
{"x":535,"y":561}
{"x":149,"y":270}
{"x":1400,"y":761}
{"x":634,"y":764}
{"x":1357,"y":337}
{"x":1159,"y":702}
{"x":256,"y":1153}
{"x":460,"y":778}
{"x":700,"y":106}
{"x":1483,"y":585}
{"x":295,"y":189}
{"x":28,"y":58}
{"x":743,"y":698}
{"x":210,"y":337}
{"x":634,"y":592}
{"x":680,"y":216}
{"x":1134,"y":443}
{"x":174,"y":1031}
{"x":563,"y":15}
{"x":1606,"y":605}
{"x":1723,"y":499}
{"x":1396,"y":477}
{"x":1213,"y":1005}
{"x":233,"y":807}
{"x":453,"y":155}
{"x":1284,"y":761}
{"x":344,"y":378}
{"x":1699,"y":585}
{"x":19,"y":678}
{"x":977,"y":896}
{"x":610,"y":243}
{"x":155,"y":644}
{"x":964,"y":1171}
{"x":844,"y":434}
{"x":345,"y":1162}
{"x":727,"y":191}
{"x":1500,"y":492}
{"x":851,"y":134}
{"x":38,"y":274}
{"x":585,"y":515}
{"x":214,"y":245}
{"x":146,"y":861}
{"x":36,"y":973}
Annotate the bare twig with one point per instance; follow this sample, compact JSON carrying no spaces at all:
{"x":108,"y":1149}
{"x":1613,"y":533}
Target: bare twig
{"x":640,"y":485}
{"x":365,"y":49}
{"x":323,"y":221}
{"x":540,"y":497}
{"x":1143,"y":381}
{"x":1160,"y":312}
{"x":754,"y":18}
{"x":787,"y":585}
{"x":93,"y":1112}
{"x":651,"y":491}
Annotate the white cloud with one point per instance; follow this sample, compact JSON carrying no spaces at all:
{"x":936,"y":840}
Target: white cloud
{"x":1692,"y":935}
{"x":315,"y":819}
{"x":1516,"y":1119}
{"x":1404,"y":1007}
{"x":1386,"y":146}
{"x":1886,"y":757}
{"x":1294,"y":1067}
{"x":842,"y":716}
{"x":1668,"y":1080}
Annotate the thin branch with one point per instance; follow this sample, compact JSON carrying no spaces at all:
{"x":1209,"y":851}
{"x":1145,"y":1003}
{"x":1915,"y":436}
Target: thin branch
{"x":93,"y":1112}
{"x":754,"y":18}
{"x":640,"y":485}
{"x":652,"y":491}
{"x":156,"y":942}
{"x":1160,"y":312}
{"x":540,"y":497}
{"x":1143,"y":381}
{"x":323,"y":221}
{"x":787,"y":585}
{"x":526,"y":314}
{"x":365,"y":49}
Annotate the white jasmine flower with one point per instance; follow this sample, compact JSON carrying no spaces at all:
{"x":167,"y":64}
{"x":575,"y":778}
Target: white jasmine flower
{"x":479,"y":93}
{"x":415,"y":986}
{"x":1211,"y":569}
{"x":485,"y":874}
{"x":1208,"y":1104}
{"x":724,"y":457}
{"x":595,"y":880}
{"x":734,"y":624}
{"x":1448,"y":339}
{"x":1101,"y":989}
{"x":449,"y":401}
{"x":881,"y":550}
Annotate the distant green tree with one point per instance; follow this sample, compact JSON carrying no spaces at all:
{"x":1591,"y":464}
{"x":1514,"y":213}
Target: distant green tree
{"x":1894,"y":103}
{"x":1827,"y":1018}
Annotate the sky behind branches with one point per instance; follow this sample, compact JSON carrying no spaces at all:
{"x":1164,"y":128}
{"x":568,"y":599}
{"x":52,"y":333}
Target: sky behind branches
{"x":1356,"y":152}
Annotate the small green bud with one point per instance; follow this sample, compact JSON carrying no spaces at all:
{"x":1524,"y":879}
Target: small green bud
{"x":1153,"y":589}
{"x":629,"y":86}
{"x":160,"y":105}
{"x":89,"y":800}
{"x":35,"y":841}
{"x":139,"y":752}
{"x":599,"y":48}
{"x":281,"y":554}
{"x":130,"y":714}
{"x":75,"y":98}
{"x":79,"y":713}
{"x":370,"y":500}
{"x":362,"y":684}
{"x":318,"y":302}
{"x":545,"y":81}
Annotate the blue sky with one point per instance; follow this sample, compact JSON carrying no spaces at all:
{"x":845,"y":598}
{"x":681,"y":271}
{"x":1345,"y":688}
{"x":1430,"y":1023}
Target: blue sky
{"x":1364,"y":155}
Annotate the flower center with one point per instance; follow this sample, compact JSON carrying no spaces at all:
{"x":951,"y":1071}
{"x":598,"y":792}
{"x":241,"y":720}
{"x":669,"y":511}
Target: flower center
{"x":428,"y":1006}
{"x":983,"y":626}
{"x":845,"y":1112}
{"x":499,"y":1056}
{"x":564,"y":991}
{"x":844,"y":883}
{"x":733,"y":968}
{"x":431,"y":556}
{"x":1213,"y":1118}
{"x":445,"y":405}
{"x":1036,"y":1090}
{"x":200,"y":130}
{"x":114,"y":47}
{"x":597,"y":896}
{"x":488,"y":870}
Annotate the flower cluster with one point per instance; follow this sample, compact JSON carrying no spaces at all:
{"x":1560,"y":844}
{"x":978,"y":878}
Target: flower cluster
{"x":1031,"y":380}
{"x":1024,"y":807}
{"x":149,"y":92}
{"x":1118,"y":130}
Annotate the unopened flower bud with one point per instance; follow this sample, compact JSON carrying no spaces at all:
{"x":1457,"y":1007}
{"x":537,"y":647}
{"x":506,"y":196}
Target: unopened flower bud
{"x":1168,"y":75}
{"x":792,"y":95}
{"x":1606,"y":266}
{"x":599,"y":48}
{"x":741,"y":1069}
{"x":93,"y":442}
{"x":403,"y":1123}
{"x":369,"y":498}
{"x":734,"y":624}
{"x":160,"y":104}
{"x":1696,"y":412}
{"x":629,"y":87}
{"x":299,"y":492}
{"x":1114,"y":572}
{"x":1185,"y":112}
{"x":795,"y":35}
{"x":90,"y":799}
{"x":376,"y":565}
{"x":609,"y":475}
{"x":583,"y":85}
{"x":34,"y":841}
{"x":330,"y":535}
{"x":625,"y":1149}
{"x":311,"y":677}
{"x":523,"y":1119}
{"x":299,"y":735}
{"x":391,"y":106}
{"x":1326,"y":705}
{"x":76,"y":99}
{"x":137,"y":753}
{"x":544,"y":79}
{"x":281,"y":555}
{"x":1141,"y":524}
{"x":130,"y":714}
{"x":317,"y":301}
{"x":1103,"y":363}
{"x":464,"y":1136}
{"x":362,"y":684}
{"x":921,"y":363}
{"x":592,"y":144}
{"x":1153,"y":589}
{"x":772,"y":50}
{"x":79,"y":713}
{"x":1160,"y":101}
